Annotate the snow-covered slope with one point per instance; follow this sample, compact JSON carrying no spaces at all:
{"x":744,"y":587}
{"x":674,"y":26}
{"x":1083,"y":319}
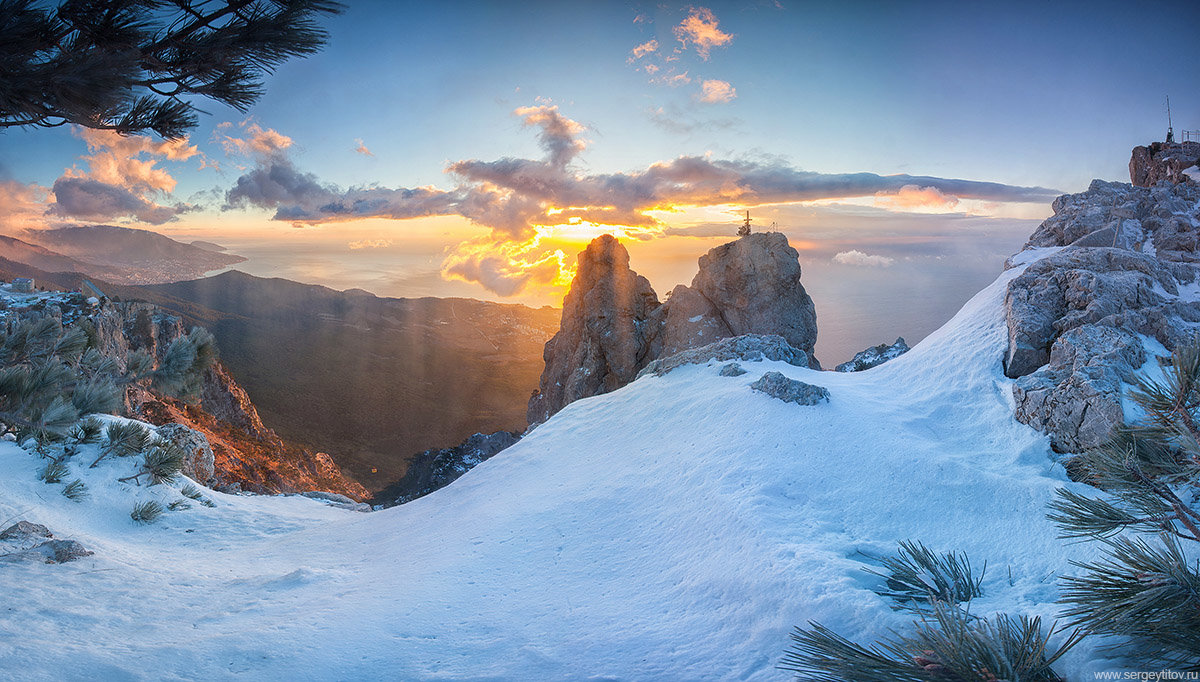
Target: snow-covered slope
{"x":675,"y":529}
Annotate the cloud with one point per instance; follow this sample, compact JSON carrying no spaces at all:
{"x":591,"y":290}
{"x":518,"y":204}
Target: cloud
{"x":672,"y":79}
{"x":93,"y":200}
{"x":254,"y":142}
{"x":717,"y":91}
{"x":857,"y":258}
{"x":505,"y":268}
{"x":362,"y":148}
{"x":22,"y":206}
{"x":700,"y":28}
{"x":370,"y":244}
{"x":644,"y":49}
{"x":518,"y":199}
{"x":122,"y":179}
{"x":911,"y":197}
{"x":673,"y":119}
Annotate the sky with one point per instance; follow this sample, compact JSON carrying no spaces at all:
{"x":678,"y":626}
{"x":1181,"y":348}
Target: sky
{"x":473,"y":148}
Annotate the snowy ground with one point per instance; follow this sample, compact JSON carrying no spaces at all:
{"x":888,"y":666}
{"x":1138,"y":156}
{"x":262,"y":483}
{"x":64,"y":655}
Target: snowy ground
{"x":676,"y":529}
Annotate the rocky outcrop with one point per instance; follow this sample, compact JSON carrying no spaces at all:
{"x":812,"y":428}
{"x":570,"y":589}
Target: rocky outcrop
{"x":198,"y":463}
{"x":732,"y":369}
{"x":1161,"y":161}
{"x":613,"y":327}
{"x":243,"y":454}
{"x":751,"y":347}
{"x":788,"y":390}
{"x":1077,"y":318}
{"x":604,"y":338}
{"x":748,"y":286}
{"x":874,"y":356}
{"x":435,"y":469}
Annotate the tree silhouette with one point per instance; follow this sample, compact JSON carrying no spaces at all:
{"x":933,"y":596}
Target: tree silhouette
{"x":136,"y":65}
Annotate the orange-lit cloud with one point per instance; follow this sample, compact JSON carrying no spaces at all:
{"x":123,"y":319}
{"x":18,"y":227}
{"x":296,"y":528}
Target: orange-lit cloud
{"x":700,"y":29}
{"x":254,"y":141}
{"x":362,"y":147}
{"x":915,"y":197}
{"x":521,"y":200}
{"x":717,"y":91}
{"x":122,"y":179}
{"x":643,"y":49}
{"x":22,"y":206}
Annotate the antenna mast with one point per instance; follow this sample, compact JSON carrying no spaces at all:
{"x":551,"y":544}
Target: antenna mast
{"x":1170,"y":131}
{"x":745,"y":228}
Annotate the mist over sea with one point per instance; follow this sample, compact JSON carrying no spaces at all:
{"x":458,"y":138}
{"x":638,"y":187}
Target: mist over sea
{"x":904,"y":282}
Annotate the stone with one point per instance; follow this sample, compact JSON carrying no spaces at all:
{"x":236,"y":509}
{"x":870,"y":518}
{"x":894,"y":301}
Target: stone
{"x":198,"y":464}
{"x":435,"y":469}
{"x":1125,"y":269}
{"x":62,"y":551}
{"x":1161,"y":161}
{"x":874,"y":356}
{"x":1076,"y":397}
{"x":732,"y":369}
{"x":752,"y":286}
{"x":24,"y":530}
{"x":604,"y":338}
{"x":749,"y":347}
{"x":788,"y":390}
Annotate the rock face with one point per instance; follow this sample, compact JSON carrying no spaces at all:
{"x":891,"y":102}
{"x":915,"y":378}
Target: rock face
{"x":613,"y":326}
{"x":603,"y":340}
{"x":198,"y":463}
{"x":748,"y":286}
{"x":874,"y":356}
{"x":751,"y":347}
{"x":1077,"y":318}
{"x":242,"y":453}
{"x":1160,"y":161}
{"x":788,"y":390}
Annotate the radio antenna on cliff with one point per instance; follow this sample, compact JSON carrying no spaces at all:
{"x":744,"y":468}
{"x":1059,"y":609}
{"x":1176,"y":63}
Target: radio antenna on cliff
{"x":1170,"y":132}
{"x":745,"y":228}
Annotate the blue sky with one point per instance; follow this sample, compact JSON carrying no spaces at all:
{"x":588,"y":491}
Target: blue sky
{"x":776,"y":97}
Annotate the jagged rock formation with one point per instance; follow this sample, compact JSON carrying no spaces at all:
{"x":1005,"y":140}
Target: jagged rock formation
{"x":751,"y":347}
{"x":435,"y":469}
{"x":245,"y":454}
{"x":613,"y":326}
{"x":748,"y":286}
{"x":1161,"y":161}
{"x":788,"y":390}
{"x":874,"y":356}
{"x":603,"y":339}
{"x":1077,"y":318}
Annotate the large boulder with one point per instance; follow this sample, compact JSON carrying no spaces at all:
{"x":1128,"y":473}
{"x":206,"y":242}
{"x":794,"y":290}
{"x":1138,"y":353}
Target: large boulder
{"x":1124,"y":271}
{"x":604,"y":338}
{"x":788,"y":390}
{"x":747,"y":286}
{"x":1162,"y":161}
{"x":198,"y":463}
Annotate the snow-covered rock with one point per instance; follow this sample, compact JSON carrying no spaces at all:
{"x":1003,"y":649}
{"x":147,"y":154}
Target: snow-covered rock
{"x":874,"y":356}
{"x":745,"y":347}
{"x":1079,"y":316}
{"x":788,"y":390}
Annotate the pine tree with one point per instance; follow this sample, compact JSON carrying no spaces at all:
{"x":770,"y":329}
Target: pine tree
{"x":1144,"y":589}
{"x":135,"y":65}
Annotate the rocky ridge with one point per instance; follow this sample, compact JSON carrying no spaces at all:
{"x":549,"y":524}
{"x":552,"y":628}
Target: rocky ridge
{"x":613,"y":325}
{"x":874,"y":356}
{"x":1119,"y":287}
{"x":229,"y":446}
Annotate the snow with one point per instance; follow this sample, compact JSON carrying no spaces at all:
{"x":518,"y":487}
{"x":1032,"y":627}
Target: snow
{"x":675,"y":529}
{"x":1193,"y":173}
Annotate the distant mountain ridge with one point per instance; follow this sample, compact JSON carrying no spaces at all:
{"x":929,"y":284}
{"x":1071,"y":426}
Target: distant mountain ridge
{"x":120,"y":255}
